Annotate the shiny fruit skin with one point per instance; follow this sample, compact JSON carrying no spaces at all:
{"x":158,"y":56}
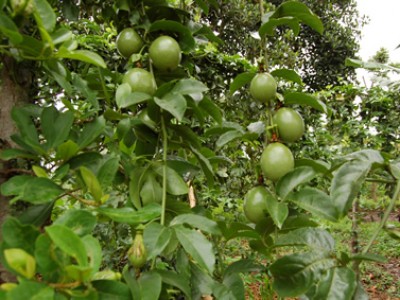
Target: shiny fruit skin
{"x":290,"y":124}
{"x":140,"y":81}
{"x":255,"y":204}
{"x":129,"y":42}
{"x":263,"y":87}
{"x":165,"y":53}
{"x":276,"y":161}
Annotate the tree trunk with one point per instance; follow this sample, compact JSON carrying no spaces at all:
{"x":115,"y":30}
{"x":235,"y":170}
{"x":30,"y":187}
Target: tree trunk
{"x":15,"y":82}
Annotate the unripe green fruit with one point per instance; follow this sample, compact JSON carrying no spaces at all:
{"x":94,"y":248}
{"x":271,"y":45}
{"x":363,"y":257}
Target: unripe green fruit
{"x":255,"y":204}
{"x":140,"y":81}
{"x":276,"y":161}
{"x":137,"y":254}
{"x":165,"y":53}
{"x":23,"y":7}
{"x":263,"y":87}
{"x":290,"y":124}
{"x":129,"y":42}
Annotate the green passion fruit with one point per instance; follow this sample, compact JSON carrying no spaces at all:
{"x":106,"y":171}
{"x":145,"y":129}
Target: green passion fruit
{"x":129,"y":42}
{"x":255,"y":204}
{"x":290,"y":124}
{"x":276,"y":161}
{"x":165,"y":53}
{"x":140,"y":81}
{"x":263,"y":87}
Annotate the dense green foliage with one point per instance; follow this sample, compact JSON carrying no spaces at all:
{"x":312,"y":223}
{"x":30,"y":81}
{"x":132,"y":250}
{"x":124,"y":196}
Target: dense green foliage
{"x":130,"y":173}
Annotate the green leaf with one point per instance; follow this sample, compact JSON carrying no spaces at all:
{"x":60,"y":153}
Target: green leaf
{"x":288,"y":75}
{"x":235,"y":286}
{"x":31,"y":290}
{"x":243,"y":266}
{"x":369,"y":65}
{"x":21,"y":262}
{"x":278,"y":211}
{"x":227,"y":137}
{"x":316,"y":202}
{"x":82,"y":55}
{"x":394,"y":168}
{"x":111,"y":289}
{"x":301,"y":12}
{"x":9,"y":29}
{"x":176,"y":280}
{"x":201,"y":282}
{"x":126,"y":100}
{"x":295,"y":274}
{"x":123,"y":91}
{"x":8,"y":154}
{"x":213,"y":110}
{"x":26,"y":126}
{"x":150,"y":285}
{"x":197,"y":222}
{"x":205,"y":166}
{"x":40,"y":190}
{"x":187,"y":135}
{"x":316,"y":238}
{"x":156,"y":238}
{"x":45,"y":15}
{"x":80,"y":221}
{"x":91,"y":131}
{"x":346,"y":184}
{"x":175,"y":183}
{"x":92,"y":183}
{"x":318,"y":165}
{"x":15,"y":185}
{"x":94,"y":252}
{"x":55,"y":126}
{"x":186,"y":40}
{"x":65,"y":239}
{"x":307,"y":100}
{"x":131,"y":216}
{"x":293,"y":179}
{"x":339,"y":283}
{"x":268,"y":28}
{"x":369,"y":257}
{"x":48,"y":265}
{"x":108,"y":171}
{"x":67,"y":150}
{"x":174,"y":103}
{"x":61,"y":35}
{"x":151,"y":190}
{"x":240,"y":81}
{"x":189,"y":86}
{"x":17,"y":235}
{"x":236,"y":230}
{"x":367,"y":155}
{"x":197,"y":246}
{"x":37,"y":215}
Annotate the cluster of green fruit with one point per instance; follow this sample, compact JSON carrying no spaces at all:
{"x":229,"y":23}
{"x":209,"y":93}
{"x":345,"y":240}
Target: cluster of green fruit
{"x":164,"y":53}
{"x":287,"y":126}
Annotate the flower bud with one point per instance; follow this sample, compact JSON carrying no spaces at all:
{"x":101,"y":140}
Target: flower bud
{"x":137,"y":253}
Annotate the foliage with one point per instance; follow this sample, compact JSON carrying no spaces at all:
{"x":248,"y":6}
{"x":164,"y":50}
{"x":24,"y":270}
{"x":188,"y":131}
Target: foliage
{"x":111,"y":167}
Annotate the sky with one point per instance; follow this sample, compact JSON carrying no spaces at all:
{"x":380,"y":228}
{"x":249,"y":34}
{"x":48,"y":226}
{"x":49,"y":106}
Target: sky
{"x":383,"y":28}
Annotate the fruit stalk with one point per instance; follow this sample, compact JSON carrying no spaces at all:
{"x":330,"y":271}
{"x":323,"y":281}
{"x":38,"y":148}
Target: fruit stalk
{"x":164,"y":182}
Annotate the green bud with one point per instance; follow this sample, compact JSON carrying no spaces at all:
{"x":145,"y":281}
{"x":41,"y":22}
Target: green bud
{"x":137,"y":253}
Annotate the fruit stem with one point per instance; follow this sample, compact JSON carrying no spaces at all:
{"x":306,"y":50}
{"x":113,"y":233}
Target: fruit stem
{"x":164,"y":182}
{"x":385,"y":217}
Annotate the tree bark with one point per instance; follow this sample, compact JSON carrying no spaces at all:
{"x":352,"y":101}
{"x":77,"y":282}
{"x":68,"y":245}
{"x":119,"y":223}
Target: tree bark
{"x":15,"y":82}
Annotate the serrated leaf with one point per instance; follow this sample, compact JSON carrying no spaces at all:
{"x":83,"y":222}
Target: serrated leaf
{"x":130,"y":216}
{"x":173,"y":103}
{"x":305,"y":99}
{"x":316,"y":238}
{"x":92,"y":183}
{"x":288,"y":75}
{"x":295,"y":274}
{"x":240,"y":81}
{"x":291,"y":180}
{"x":197,"y":246}
{"x":346,"y":184}
{"x":197,"y":222}
{"x":65,"y":239}
{"x":316,"y":202}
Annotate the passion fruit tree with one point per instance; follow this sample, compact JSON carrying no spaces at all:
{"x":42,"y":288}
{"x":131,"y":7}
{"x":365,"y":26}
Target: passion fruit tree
{"x":108,"y":163}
